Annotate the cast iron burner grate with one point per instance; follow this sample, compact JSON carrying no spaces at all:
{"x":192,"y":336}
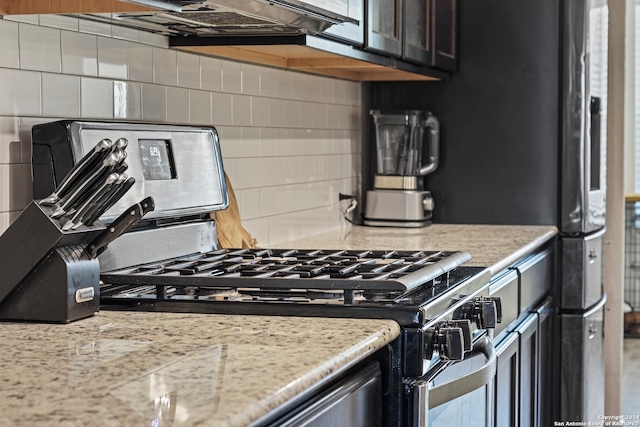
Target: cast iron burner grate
{"x":283,"y":274}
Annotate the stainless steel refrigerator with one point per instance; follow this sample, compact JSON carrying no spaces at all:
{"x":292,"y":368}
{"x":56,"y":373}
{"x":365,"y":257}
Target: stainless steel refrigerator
{"x":523,"y":141}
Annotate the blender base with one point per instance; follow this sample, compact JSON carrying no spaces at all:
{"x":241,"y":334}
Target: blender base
{"x":398,"y":208}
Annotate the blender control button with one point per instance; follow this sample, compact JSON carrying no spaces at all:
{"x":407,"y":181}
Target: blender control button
{"x":427,"y":204}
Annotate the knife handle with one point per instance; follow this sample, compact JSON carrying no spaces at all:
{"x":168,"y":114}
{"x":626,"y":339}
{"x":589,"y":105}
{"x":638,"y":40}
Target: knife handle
{"x":122,"y":224}
{"x":115,"y":195}
{"x":98,"y":153}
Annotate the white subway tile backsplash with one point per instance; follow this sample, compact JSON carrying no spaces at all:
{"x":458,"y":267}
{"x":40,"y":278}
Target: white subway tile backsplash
{"x":306,"y":115}
{"x":259,"y":111}
{"x":248,"y":203}
{"x":59,"y":21}
{"x":250,"y":142}
{"x":188,"y":70}
{"x":177,"y":105}
{"x":165,"y":66}
{"x":9,"y":52}
{"x":96,"y":98}
{"x":277,"y":172}
{"x":285,"y":84}
{"x":284,"y":199}
{"x":269,"y":82}
{"x":10,"y":146}
{"x":79,"y":53}
{"x":268,"y":201}
{"x":284,"y":227}
{"x":231,"y":77}
{"x":19,"y":92}
{"x":154,"y":102}
{"x":299,"y":84}
{"x":125,"y":33}
{"x":324,"y":90}
{"x":334,"y":167}
{"x":251,"y":79}
{"x":241,"y":175}
{"x":152,"y":39}
{"x":277,"y":116}
{"x":210,"y":73}
{"x":320,"y":116}
{"x":221,"y":106}
{"x":200,"y":107}
{"x":27,"y":19}
{"x":15,"y":187}
{"x":93,"y":27}
{"x":127,"y":100}
{"x":241,"y":115}
{"x":39,"y":48}
{"x":260,"y":172}
{"x":259,"y":229}
{"x":299,"y":137}
{"x":269,"y":138}
{"x":112,"y":58}
{"x":292,"y":113}
{"x":140,"y":62}
{"x":290,"y":141}
{"x":292,"y":168}
{"x":60,"y":95}
{"x":230,"y":141}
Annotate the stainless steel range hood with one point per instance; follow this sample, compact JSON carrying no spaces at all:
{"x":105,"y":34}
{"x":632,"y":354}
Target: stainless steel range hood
{"x":235,"y":17}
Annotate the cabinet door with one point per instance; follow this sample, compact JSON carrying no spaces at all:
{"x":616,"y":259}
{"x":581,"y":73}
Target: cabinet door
{"x":529,"y":358}
{"x":444,"y":34}
{"x":505,"y":404}
{"x":546,"y":390}
{"x":417,"y":31}
{"x":384,"y":26}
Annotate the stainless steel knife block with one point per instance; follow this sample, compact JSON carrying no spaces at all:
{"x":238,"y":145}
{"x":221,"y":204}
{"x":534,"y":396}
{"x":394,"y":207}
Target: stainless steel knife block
{"x":45,"y":275}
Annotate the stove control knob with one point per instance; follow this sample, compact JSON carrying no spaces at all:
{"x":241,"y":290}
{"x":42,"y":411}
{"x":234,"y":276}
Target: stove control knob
{"x":484,"y":311}
{"x":451,"y":343}
{"x":447,"y":341}
{"x":465,"y":325}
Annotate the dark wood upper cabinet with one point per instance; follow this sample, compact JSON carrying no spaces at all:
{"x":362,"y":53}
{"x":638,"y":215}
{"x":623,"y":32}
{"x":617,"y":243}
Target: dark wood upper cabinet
{"x":417,"y":45}
{"x":444,"y":34}
{"x":418,"y":31}
{"x":384,"y":26}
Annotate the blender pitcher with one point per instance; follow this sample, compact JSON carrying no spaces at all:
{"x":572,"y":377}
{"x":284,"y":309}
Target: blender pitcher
{"x":406,"y":150}
{"x":401,"y":139}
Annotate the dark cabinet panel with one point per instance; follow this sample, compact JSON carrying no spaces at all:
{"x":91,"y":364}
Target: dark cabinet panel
{"x":529,"y":374}
{"x":384,"y":26}
{"x":505,"y":404}
{"x":417,"y":31}
{"x":444,"y":34}
{"x":420,"y":31}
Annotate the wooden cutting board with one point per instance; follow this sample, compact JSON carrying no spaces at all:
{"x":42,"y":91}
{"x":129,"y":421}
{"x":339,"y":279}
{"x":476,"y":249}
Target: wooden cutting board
{"x":231,"y":233}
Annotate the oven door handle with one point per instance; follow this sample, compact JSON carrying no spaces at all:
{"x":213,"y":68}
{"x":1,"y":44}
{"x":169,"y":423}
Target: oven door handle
{"x":453,"y":389}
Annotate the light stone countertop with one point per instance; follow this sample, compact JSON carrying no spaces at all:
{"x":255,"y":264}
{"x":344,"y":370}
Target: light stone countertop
{"x":492,"y":246}
{"x":147,"y":369}
{"x":130,"y":368}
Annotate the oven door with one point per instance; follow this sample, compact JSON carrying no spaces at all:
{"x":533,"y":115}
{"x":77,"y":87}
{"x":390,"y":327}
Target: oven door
{"x":458,"y":395}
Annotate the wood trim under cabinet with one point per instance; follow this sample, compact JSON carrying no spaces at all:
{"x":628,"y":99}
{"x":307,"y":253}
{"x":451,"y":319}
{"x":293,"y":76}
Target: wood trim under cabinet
{"x":31,"y":7}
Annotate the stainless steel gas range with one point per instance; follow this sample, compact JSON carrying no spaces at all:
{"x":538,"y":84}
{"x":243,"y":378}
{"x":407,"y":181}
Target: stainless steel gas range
{"x":169,"y":260}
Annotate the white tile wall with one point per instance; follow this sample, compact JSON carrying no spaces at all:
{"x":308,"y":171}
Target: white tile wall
{"x":290,"y":141}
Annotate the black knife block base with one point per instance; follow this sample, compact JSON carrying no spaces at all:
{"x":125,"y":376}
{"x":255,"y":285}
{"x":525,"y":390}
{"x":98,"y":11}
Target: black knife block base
{"x":63,"y":287}
{"x":45,"y":275}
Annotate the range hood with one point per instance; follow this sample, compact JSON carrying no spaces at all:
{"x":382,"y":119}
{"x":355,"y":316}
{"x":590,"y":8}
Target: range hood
{"x":231,"y":17}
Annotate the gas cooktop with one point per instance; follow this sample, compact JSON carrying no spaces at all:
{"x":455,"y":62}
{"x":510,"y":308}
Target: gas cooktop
{"x":343,"y":283}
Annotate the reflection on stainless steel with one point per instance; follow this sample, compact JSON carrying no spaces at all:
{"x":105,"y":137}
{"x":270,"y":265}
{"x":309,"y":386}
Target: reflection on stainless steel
{"x":242,"y":17}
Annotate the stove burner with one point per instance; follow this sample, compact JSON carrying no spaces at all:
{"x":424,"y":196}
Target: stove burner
{"x":327,"y":276}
